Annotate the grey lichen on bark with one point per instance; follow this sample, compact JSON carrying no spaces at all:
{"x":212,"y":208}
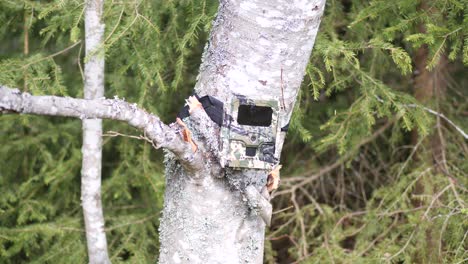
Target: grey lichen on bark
{"x":162,"y":136}
{"x":92,"y":136}
{"x":259,"y":50}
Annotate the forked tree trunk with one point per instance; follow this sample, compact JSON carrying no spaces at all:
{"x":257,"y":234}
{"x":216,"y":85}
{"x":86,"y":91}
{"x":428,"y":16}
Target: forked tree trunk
{"x":257,"y":49}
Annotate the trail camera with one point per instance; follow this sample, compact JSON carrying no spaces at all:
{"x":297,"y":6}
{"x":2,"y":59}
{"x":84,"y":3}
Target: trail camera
{"x":249,"y":134}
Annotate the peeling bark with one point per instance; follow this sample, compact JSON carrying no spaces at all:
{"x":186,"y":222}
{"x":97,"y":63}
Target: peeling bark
{"x":13,"y":100}
{"x":257,"y":49}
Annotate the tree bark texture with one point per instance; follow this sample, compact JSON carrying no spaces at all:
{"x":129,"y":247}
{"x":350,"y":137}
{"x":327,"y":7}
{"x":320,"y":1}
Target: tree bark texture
{"x":212,"y":214}
{"x":430,"y":86}
{"x":258,"y":50}
{"x":161,"y":135}
{"x":92,"y":136}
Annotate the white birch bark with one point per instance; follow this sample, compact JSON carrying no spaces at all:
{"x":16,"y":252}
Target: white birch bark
{"x":257,"y":49}
{"x":161,"y":135}
{"x":92,"y":136}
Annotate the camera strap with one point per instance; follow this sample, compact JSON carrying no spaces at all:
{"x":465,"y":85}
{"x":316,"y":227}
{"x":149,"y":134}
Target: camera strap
{"x":213,"y":108}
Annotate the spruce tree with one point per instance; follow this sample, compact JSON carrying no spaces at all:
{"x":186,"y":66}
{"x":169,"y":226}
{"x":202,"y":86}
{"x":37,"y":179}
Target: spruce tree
{"x":358,"y":186}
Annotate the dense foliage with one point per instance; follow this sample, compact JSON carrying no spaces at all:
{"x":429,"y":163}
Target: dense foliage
{"x":371,"y":174}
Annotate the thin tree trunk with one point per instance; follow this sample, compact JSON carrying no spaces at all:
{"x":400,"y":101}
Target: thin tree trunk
{"x":429,"y":86}
{"x":92,"y":136}
{"x":26,"y":47}
{"x":257,"y":50}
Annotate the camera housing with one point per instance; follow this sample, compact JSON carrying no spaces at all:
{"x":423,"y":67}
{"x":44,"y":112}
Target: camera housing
{"x":249,"y":134}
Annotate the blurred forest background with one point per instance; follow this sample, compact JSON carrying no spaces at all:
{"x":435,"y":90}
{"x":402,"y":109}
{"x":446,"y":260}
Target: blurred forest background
{"x":372,"y":174}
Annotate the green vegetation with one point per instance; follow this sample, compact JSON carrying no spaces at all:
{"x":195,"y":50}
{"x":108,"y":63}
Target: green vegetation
{"x":370,"y":176}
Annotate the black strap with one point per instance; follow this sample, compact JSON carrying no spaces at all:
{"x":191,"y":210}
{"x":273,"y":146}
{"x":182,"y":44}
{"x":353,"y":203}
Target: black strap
{"x":213,"y":107}
{"x":215,"y":110}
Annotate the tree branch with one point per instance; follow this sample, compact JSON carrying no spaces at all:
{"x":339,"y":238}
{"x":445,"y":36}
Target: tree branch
{"x":459,"y":129}
{"x":13,"y":100}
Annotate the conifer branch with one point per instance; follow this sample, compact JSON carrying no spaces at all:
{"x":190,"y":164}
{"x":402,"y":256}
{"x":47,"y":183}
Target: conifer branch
{"x":459,"y":129}
{"x":13,"y":100}
{"x":463,"y":133}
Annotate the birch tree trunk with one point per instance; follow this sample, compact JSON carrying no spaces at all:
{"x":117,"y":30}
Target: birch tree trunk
{"x":92,"y":136}
{"x":257,"y":49}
